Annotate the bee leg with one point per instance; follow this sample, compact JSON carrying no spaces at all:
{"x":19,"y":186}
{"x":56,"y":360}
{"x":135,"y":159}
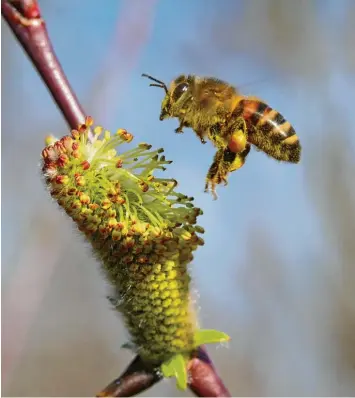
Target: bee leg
{"x":180,"y":130}
{"x":200,"y":135}
{"x":238,"y":135}
{"x":215,"y":136}
{"x":224,"y":162}
{"x":234,"y":161}
{"x":213,"y":175}
{"x":213,"y":189}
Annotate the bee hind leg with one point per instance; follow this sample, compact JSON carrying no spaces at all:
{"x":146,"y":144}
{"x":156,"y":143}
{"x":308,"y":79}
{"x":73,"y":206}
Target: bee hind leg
{"x":213,"y":175}
{"x":237,"y":141}
{"x":224,"y":162}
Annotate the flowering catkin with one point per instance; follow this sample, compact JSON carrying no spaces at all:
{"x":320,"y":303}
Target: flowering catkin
{"x":142,"y":230}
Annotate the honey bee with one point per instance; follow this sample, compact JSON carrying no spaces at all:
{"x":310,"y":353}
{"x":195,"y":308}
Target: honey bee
{"x":217,"y":111}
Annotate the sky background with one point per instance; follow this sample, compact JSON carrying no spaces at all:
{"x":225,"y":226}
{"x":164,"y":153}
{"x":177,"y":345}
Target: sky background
{"x":278,"y":267}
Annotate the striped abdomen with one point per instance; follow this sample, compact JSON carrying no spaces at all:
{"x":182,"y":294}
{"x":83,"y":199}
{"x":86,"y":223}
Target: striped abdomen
{"x":269,"y":131}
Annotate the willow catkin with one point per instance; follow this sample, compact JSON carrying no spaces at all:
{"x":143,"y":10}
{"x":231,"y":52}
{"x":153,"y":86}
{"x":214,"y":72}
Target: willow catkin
{"x":142,"y":230}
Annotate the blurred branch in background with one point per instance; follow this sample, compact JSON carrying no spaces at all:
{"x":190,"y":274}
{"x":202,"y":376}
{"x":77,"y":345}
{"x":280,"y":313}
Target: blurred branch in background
{"x":24,"y":19}
{"x":283,"y":35}
{"x":132,"y":32}
{"x":280,"y":32}
{"x":333,"y":199}
{"x":348,"y":35}
{"x":33,"y":271}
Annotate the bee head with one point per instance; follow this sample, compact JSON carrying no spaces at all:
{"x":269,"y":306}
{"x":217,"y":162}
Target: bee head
{"x":178,"y":88}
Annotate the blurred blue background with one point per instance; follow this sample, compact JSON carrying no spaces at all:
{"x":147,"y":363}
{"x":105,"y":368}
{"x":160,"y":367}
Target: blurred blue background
{"x":277,"y":271}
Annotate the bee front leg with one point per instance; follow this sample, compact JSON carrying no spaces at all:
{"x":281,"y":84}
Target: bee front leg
{"x":182,"y":124}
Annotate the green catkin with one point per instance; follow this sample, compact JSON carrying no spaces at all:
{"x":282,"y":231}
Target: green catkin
{"x":142,"y":230}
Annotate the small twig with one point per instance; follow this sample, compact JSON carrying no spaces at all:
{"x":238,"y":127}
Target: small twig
{"x":25,"y":20}
{"x":127,"y":45}
{"x":204,"y":380}
{"x":134,"y":380}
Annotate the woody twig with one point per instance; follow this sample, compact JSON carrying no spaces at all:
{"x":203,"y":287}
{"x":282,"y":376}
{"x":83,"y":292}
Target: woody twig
{"x":25,"y":20}
{"x":204,"y":380}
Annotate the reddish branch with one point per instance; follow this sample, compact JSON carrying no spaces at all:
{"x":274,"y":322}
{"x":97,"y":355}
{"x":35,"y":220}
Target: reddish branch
{"x":134,"y":380}
{"x":204,"y":380}
{"x":24,"y":19}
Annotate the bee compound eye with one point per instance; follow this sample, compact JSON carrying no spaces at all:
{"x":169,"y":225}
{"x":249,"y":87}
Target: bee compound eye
{"x":179,"y":90}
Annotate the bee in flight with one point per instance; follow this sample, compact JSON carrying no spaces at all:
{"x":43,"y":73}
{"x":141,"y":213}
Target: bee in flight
{"x":215,"y":110}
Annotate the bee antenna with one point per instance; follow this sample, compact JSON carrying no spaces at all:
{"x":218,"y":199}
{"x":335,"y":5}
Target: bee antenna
{"x":161,"y":84}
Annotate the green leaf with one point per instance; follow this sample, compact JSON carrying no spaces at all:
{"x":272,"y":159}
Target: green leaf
{"x":176,"y":367}
{"x":209,"y":336}
{"x":167,"y":369}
